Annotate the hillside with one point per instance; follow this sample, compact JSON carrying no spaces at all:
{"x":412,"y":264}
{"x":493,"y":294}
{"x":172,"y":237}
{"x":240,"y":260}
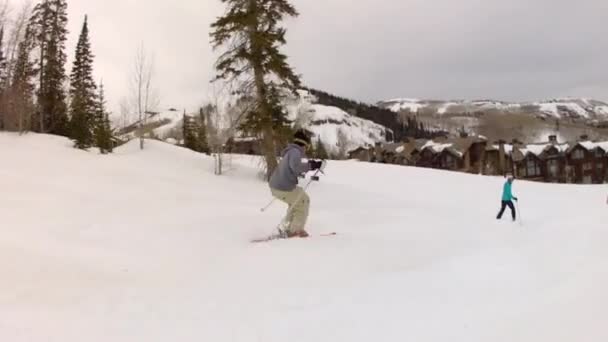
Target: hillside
{"x":586,"y":110}
{"x":338,"y":130}
{"x":151,"y":246}
{"x":525,"y":121}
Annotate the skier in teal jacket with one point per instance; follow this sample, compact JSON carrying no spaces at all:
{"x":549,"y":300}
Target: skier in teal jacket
{"x":507,"y":198}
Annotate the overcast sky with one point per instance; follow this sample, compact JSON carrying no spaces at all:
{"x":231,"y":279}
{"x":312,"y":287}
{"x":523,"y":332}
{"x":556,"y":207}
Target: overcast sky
{"x":371,"y":50}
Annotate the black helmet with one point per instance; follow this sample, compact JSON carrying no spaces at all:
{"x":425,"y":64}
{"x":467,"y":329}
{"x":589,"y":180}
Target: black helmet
{"x":301,"y":138}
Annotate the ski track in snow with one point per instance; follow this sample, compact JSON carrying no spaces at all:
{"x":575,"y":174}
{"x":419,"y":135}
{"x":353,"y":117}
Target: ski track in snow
{"x":151,"y":246}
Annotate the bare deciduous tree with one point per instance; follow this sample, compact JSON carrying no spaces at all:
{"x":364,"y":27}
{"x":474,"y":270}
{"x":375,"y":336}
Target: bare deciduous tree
{"x":144,"y":98}
{"x":224,"y":114}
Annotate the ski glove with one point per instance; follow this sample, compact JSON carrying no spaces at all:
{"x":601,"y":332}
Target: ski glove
{"x":315,"y":164}
{"x":515,"y":199}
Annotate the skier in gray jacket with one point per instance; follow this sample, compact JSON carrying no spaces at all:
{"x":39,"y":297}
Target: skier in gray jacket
{"x":284,"y":183}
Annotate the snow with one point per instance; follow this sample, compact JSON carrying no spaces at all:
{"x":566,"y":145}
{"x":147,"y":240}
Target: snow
{"x":553,"y":108}
{"x":602,"y":110}
{"x":439,"y":147}
{"x":590,"y":145}
{"x":329,"y":124}
{"x":538,"y":149}
{"x":508,"y":148}
{"x":588,"y":109}
{"x":444,"y":108}
{"x":400,"y":149}
{"x":151,"y":246}
{"x":399,"y":104}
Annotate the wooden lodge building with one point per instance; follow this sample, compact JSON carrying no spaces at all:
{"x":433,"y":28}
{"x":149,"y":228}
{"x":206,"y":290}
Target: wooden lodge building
{"x":583,"y":161}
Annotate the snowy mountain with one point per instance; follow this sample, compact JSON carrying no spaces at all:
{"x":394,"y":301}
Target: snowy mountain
{"x":152,"y":246}
{"x":586,"y":110}
{"x":336,"y":129}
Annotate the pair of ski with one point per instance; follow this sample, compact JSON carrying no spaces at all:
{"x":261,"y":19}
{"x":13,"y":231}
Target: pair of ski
{"x":283,"y":236}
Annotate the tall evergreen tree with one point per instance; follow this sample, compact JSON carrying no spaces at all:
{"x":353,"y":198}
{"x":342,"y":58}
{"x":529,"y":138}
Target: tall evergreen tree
{"x":18,"y":98}
{"x":189,"y":133}
{"x":102,"y":130}
{"x":49,"y":24}
{"x":83,"y":104}
{"x":251,"y":34}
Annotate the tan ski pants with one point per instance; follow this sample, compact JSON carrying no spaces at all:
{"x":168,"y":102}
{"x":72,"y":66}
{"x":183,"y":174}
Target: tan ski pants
{"x":297,"y":212}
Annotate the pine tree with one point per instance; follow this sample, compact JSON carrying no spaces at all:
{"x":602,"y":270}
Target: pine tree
{"x":251,"y":34}
{"x":189,"y":133}
{"x":203,"y":143}
{"x":102,"y":131}
{"x":49,"y":26}
{"x":84,"y":104}
{"x":18,"y":98}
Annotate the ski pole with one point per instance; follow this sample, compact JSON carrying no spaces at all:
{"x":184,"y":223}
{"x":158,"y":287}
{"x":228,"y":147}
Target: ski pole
{"x":268,"y":205}
{"x":315,"y":177}
{"x":292,"y":206}
{"x":521,"y":223}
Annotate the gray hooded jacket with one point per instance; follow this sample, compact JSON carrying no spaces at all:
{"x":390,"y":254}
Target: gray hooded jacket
{"x":285,"y":177}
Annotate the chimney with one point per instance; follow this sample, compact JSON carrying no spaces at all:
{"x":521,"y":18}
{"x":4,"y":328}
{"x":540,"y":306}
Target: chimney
{"x":584,"y":137}
{"x":553,"y":139}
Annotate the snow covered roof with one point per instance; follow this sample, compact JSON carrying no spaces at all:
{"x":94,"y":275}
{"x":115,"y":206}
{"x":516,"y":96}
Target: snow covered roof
{"x":539,"y":149}
{"x":496,"y":147}
{"x":438,"y":147}
{"x":590,"y":145}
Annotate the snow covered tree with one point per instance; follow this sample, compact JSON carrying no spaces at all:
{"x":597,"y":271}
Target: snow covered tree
{"x":102,"y":130}
{"x":49,"y":27}
{"x":84,"y":103}
{"x":250,"y":32}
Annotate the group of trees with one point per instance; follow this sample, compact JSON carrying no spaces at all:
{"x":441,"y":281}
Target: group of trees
{"x":36,"y":94}
{"x":412,"y":128}
{"x":194,"y":131}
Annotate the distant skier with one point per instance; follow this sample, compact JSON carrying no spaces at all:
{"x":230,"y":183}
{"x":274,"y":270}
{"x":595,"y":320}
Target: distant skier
{"x":507,"y":198}
{"x":284,"y":181}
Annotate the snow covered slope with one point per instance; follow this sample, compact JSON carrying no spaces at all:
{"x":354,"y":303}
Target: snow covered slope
{"x":163,"y":124}
{"x":337,"y":129}
{"x":334,"y":127}
{"x":151,"y":246}
{"x":588,"y":110}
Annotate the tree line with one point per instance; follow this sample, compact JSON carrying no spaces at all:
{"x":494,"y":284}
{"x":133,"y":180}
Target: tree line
{"x":400,"y":126}
{"x":37,"y":94}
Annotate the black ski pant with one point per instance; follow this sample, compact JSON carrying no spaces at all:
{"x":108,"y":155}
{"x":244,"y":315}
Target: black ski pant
{"x":504,"y":206}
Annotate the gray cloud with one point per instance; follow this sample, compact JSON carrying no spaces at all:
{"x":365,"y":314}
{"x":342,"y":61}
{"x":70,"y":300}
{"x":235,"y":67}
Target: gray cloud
{"x":372,"y":49}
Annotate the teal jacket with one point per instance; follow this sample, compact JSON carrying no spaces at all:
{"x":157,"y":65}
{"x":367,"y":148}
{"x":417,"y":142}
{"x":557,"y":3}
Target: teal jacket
{"x":507,"y":194}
